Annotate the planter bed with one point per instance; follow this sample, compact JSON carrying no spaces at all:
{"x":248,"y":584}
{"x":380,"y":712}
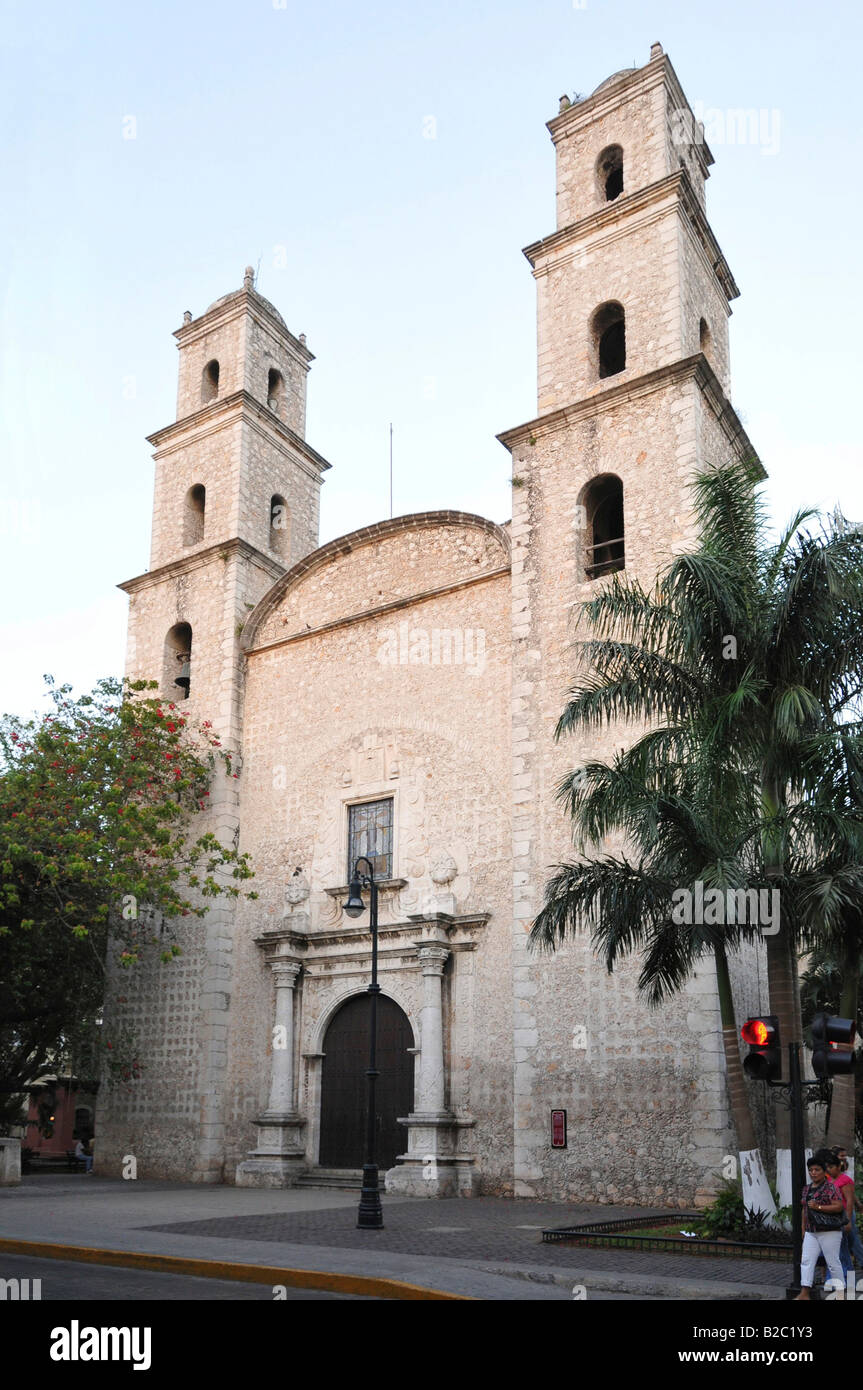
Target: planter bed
{"x":624,"y":1235}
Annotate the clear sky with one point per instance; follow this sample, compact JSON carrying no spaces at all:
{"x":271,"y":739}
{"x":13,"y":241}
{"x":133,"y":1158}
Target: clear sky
{"x":296,"y":137}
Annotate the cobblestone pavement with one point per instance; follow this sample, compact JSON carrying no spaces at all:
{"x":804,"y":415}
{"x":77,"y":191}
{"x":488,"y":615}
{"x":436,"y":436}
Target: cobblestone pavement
{"x":475,"y":1230}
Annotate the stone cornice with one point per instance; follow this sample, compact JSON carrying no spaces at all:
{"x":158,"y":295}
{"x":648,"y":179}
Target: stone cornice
{"x":457,"y":931}
{"x":675,"y":191}
{"x":187,"y":563}
{"x":241,"y":405}
{"x":234,"y":306}
{"x":695,"y":368}
{"x":384,"y":885}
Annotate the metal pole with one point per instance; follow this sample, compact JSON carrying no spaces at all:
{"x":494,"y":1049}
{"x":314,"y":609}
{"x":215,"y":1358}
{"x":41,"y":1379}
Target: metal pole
{"x":370,"y":1215}
{"x":798,"y":1166}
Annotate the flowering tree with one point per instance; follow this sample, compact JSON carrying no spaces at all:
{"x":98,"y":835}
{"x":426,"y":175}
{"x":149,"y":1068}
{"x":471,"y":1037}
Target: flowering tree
{"x":98,"y":858}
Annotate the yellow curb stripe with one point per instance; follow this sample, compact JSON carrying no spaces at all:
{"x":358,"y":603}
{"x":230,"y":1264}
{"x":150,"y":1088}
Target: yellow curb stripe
{"x":221,"y":1269}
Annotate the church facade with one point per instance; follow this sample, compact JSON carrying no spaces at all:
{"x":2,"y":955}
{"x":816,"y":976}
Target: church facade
{"x":394,"y":694}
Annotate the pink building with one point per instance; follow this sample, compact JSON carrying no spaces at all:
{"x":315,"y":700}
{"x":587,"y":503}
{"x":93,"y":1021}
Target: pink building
{"x":60,"y":1113}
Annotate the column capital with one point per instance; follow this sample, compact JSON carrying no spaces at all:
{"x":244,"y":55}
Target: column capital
{"x":285,"y":972}
{"x":433,"y":959}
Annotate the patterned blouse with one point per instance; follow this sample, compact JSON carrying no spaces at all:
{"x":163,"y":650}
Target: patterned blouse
{"x":823,"y":1194}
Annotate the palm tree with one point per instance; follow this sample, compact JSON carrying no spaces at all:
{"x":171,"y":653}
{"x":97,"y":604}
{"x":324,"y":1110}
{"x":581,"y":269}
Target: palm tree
{"x":684,"y":829}
{"x":741,"y":654}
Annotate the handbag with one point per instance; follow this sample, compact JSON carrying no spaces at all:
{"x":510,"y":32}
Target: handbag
{"x":825,"y":1220}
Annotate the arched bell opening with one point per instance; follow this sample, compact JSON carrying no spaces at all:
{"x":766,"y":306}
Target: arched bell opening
{"x":177,"y":679}
{"x":194,"y":508}
{"x":609,"y":173}
{"x":603,"y":511}
{"x":608,"y":335}
{"x":210,"y":382}
{"x":276,"y":392}
{"x":279,"y":534}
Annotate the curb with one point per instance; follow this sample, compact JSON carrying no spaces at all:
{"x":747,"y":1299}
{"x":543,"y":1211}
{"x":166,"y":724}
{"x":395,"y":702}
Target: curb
{"x":644,"y":1284}
{"x":368,"y":1285}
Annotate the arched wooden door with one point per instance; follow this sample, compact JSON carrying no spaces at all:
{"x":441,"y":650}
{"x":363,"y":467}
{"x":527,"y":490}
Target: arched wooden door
{"x":344,"y":1085}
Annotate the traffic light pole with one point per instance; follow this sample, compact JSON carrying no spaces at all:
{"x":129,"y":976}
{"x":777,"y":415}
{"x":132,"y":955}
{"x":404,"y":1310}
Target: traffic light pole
{"x":798,"y":1165}
{"x":831,"y":1036}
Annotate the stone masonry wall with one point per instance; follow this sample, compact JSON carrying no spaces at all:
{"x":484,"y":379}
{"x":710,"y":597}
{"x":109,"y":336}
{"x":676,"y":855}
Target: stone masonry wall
{"x":648,"y":1116}
{"x":640,"y":271}
{"x":327,"y":722}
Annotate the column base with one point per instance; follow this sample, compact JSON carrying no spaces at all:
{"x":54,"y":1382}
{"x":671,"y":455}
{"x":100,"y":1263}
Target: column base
{"x":10,"y":1162}
{"x":280,"y":1157}
{"x":431,"y":1167}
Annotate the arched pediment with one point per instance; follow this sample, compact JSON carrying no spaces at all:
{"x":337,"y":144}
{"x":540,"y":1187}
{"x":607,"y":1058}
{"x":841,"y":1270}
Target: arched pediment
{"x":389,"y":563}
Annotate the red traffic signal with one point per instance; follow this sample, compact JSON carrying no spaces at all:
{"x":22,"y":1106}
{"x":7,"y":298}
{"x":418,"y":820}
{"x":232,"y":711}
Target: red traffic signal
{"x":764,"y":1061}
{"x":755,"y":1031}
{"x":832,"y":1045}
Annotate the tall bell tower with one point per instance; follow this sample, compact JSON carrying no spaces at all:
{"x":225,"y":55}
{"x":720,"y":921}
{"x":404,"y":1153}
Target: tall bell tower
{"x":236,"y":504}
{"x":236,"y":501}
{"x":633,"y":301}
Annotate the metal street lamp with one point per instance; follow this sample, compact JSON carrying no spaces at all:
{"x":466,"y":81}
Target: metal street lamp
{"x":370,"y":1215}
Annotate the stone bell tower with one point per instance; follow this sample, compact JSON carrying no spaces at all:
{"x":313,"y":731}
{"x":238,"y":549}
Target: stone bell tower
{"x":633,"y":304}
{"x":236,"y":501}
{"x":236,"y":504}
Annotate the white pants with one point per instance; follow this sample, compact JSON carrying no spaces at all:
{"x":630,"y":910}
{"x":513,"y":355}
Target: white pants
{"x":825,"y":1243}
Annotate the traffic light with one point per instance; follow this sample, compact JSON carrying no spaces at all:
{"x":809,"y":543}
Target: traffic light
{"x":764,"y":1060}
{"x":832,"y":1045}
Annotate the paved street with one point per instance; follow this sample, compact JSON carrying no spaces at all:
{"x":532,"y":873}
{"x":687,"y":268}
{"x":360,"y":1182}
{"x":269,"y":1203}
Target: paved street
{"x":488,"y":1248}
{"x":67,"y":1281}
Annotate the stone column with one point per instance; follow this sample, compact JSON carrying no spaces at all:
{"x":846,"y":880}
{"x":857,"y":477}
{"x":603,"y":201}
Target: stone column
{"x":280,"y":1156}
{"x":10,"y":1162}
{"x":432,"y":1167}
{"x":281,"y":1102}
{"x":431,"y":1087}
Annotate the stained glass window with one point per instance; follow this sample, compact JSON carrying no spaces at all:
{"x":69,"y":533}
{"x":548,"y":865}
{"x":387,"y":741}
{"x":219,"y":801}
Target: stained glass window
{"x":370,"y":833}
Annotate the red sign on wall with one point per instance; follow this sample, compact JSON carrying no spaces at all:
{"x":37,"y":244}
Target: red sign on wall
{"x":558,"y":1129}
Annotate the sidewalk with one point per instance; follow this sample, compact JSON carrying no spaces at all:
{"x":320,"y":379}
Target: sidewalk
{"x":484,"y":1247}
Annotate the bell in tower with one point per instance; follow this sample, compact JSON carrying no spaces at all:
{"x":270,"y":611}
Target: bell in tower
{"x":184,"y":679}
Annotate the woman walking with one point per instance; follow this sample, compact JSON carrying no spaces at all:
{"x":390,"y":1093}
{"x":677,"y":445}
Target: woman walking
{"x":840,"y":1180}
{"x":845,"y":1187}
{"x":823,"y":1220}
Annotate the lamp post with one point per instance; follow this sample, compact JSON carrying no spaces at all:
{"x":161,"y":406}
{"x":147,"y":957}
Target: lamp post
{"x":370,"y":1217}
